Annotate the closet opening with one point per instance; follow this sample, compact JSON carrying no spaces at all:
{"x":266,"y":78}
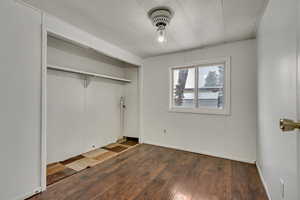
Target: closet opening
{"x":91,"y":110}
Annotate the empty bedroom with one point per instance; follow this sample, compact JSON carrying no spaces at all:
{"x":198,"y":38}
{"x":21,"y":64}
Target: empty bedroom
{"x":150,"y":100}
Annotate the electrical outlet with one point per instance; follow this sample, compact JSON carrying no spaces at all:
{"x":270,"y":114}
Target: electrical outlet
{"x":165,"y":131}
{"x":282,"y":189}
{"x":37,"y":191}
{"x":93,"y":146}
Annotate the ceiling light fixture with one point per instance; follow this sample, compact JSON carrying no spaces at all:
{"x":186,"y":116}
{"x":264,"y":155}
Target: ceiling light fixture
{"x":161,"y":17}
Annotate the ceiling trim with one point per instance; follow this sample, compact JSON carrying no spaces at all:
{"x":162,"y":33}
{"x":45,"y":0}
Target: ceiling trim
{"x":23,"y":3}
{"x":261,"y":15}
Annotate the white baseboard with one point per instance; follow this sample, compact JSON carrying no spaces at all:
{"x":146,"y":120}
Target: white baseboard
{"x":263,"y":181}
{"x":204,"y":153}
{"x":25,"y":196}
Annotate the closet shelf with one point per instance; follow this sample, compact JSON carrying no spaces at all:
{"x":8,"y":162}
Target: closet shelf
{"x":64,"y":69}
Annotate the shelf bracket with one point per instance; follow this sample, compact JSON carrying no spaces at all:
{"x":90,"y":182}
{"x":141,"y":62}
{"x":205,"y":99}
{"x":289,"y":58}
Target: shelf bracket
{"x":87,"y":81}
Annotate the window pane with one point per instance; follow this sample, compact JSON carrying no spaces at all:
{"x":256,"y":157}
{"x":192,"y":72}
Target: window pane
{"x":183,"y":87}
{"x":211,"y":86}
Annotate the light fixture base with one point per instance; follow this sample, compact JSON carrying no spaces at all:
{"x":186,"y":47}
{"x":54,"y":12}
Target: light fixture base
{"x":160,"y":16}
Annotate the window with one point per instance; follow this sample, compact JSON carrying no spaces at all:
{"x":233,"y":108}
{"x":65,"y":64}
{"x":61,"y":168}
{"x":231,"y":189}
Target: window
{"x":184,"y":87}
{"x":201,"y":88}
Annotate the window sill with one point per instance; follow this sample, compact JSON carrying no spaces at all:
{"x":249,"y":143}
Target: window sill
{"x":200,"y":111}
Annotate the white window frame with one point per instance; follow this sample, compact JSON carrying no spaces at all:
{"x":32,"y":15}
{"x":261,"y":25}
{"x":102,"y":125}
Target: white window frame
{"x":226,"y":61}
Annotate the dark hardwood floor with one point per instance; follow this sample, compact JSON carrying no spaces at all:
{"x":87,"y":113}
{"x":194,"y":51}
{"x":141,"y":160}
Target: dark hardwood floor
{"x":157,"y":173}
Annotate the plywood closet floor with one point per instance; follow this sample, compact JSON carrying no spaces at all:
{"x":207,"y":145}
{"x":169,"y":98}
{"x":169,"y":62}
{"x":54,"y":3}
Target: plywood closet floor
{"x":60,"y":170}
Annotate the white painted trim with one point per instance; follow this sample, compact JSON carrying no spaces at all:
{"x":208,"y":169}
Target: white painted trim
{"x":43,"y":104}
{"x":208,"y":111}
{"x":263,"y":180}
{"x":87,"y":73}
{"x":202,"y":152}
{"x":44,"y":108}
{"x":141,"y":98}
{"x":298,"y":93}
{"x":63,"y":30}
{"x":23,"y":3}
{"x":30,"y":194}
{"x":227,"y":87}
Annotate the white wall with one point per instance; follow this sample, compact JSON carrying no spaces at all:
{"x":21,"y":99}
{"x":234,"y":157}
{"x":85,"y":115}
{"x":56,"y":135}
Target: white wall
{"x":132,"y":117}
{"x":20,"y":116}
{"x":66,"y":54}
{"x":231,"y":136}
{"x":77,"y":35}
{"x":79,"y":118}
{"x":277,"y":71}
{"x":20,"y":86}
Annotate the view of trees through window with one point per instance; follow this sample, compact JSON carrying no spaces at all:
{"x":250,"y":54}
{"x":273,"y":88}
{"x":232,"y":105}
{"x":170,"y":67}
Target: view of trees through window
{"x":210,"y":87}
{"x":184,"y":87}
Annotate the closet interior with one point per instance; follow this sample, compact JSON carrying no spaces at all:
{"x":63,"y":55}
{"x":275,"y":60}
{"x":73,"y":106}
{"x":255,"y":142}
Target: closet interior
{"x":92,"y":108}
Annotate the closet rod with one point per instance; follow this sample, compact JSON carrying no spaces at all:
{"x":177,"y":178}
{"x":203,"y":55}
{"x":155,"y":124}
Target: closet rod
{"x":64,"y":69}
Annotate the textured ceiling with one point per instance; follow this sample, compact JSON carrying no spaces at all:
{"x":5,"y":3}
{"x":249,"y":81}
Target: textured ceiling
{"x":196,"y":23}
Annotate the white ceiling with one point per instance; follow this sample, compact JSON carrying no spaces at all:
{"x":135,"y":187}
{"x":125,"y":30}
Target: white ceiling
{"x":196,"y":23}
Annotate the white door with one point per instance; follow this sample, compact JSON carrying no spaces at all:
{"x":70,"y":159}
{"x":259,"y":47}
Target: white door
{"x":298,"y":35}
{"x":289,"y":126}
{"x":277,"y":150}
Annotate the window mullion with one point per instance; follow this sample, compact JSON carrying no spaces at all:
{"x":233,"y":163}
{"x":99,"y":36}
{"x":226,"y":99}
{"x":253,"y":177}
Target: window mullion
{"x":196,"y":87}
{"x":171,"y":88}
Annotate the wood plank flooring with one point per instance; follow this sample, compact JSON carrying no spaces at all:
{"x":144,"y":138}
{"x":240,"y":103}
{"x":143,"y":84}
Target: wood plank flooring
{"x":63,"y":169}
{"x":149,"y":172}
